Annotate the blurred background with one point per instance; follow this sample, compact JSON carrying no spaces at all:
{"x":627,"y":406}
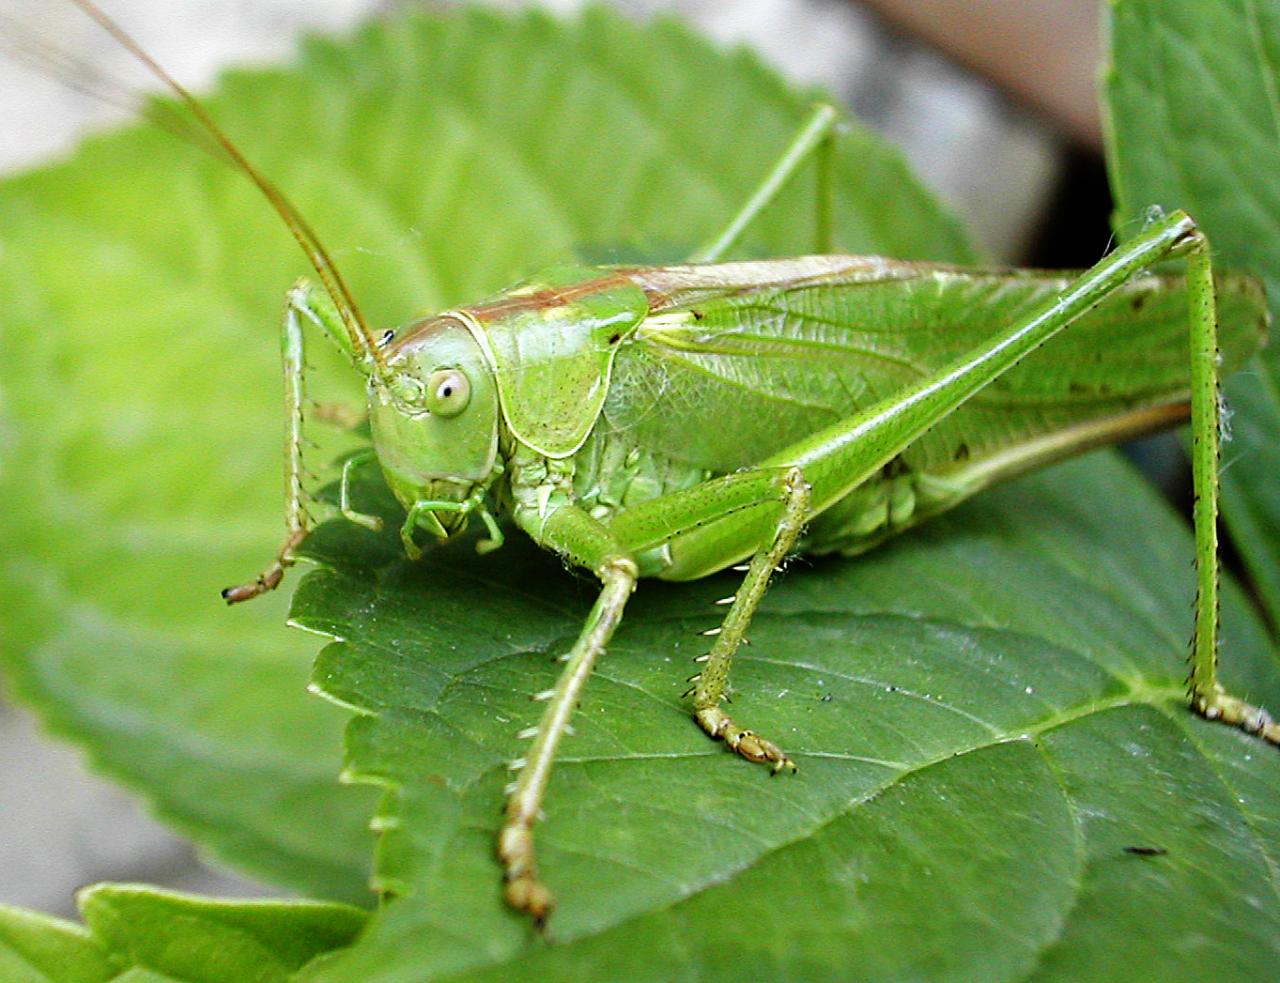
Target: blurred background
{"x":992,"y":101}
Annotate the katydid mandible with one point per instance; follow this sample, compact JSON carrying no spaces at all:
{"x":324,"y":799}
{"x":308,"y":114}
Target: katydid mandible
{"x":673,"y":421}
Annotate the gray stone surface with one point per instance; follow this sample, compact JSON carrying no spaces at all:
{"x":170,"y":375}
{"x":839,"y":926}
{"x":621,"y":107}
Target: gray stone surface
{"x":61,"y":827}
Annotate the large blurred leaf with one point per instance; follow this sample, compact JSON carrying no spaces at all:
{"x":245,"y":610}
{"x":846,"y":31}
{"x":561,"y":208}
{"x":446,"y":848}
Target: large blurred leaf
{"x":1193,"y":96}
{"x":141,"y":287}
{"x":139,"y":934}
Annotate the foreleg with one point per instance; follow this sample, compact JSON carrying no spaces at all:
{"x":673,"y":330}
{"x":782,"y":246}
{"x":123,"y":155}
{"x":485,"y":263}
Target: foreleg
{"x":297,"y":520}
{"x":583,"y":541}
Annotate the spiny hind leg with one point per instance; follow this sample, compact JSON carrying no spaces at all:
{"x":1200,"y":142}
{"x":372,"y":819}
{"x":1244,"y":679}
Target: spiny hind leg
{"x":1205,"y":693}
{"x":710,"y":684}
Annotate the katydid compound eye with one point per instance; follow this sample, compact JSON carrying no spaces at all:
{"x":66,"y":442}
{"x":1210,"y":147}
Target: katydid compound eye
{"x":448,"y":392}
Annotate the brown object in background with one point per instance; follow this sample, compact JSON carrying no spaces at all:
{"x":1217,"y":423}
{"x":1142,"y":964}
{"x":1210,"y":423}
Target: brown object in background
{"x":1044,"y":52}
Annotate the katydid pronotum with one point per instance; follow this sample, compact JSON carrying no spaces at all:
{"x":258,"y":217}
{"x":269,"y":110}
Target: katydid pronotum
{"x":674,"y":421}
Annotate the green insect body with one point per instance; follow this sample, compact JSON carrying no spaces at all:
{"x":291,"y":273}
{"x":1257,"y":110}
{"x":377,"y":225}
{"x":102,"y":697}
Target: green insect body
{"x":673,"y":421}
{"x":619,"y":386}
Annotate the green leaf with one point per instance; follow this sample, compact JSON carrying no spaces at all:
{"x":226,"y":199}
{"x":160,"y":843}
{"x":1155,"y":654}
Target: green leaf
{"x":140,"y":934}
{"x":988,"y":716}
{"x":139,"y":427}
{"x":1193,"y":96}
{"x":200,"y":940}
{"x":35,"y":948}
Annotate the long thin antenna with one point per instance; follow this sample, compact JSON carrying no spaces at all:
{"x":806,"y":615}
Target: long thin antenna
{"x":362,"y":340}
{"x":25,"y":47}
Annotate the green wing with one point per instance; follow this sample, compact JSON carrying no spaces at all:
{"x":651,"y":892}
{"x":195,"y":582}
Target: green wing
{"x":738,"y":361}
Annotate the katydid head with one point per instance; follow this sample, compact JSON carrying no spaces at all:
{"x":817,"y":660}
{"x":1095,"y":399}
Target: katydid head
{"x":434,"y":418}
{"x":432,"y":398}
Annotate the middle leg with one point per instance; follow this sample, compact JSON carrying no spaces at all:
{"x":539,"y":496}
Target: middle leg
{"x":710,"y":684}
{"x":762,"y":513}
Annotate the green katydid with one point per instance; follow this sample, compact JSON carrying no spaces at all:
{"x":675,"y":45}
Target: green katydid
{"x":674,"y":421}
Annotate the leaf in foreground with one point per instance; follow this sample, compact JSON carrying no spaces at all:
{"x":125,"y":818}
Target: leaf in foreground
{"x":139,"y":933}
{"x":998,"y":776}
{"x":36,"y":948}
